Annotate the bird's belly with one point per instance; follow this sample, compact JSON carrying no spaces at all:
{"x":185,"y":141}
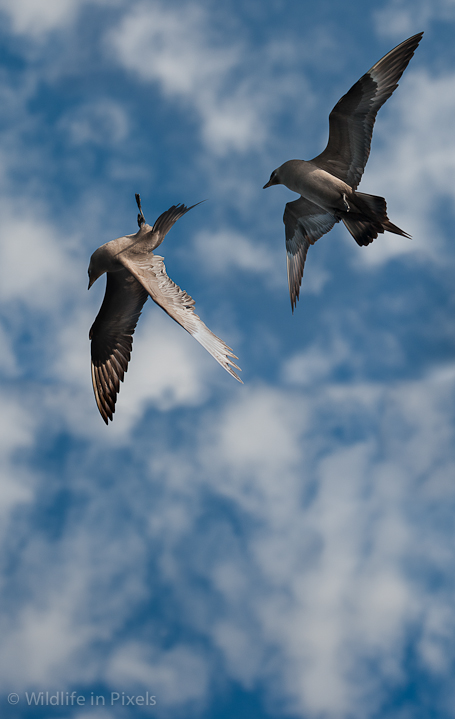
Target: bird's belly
{"x":323,"y":189}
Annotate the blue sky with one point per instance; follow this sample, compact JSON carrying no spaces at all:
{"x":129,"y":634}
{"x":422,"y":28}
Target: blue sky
{"x":283,"y":548}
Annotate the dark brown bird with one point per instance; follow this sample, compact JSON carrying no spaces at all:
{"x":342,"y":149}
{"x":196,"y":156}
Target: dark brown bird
{"x":133,"y":273}
{"x":327,"y":184}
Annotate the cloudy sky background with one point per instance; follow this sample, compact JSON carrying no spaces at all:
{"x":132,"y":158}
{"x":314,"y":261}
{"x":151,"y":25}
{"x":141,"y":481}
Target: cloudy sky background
{"x":283,"y":548}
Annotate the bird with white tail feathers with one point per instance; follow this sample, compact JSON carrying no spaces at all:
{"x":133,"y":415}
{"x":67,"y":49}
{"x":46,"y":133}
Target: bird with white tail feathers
{"x":327,"y":184}
{"x":134,"y":273}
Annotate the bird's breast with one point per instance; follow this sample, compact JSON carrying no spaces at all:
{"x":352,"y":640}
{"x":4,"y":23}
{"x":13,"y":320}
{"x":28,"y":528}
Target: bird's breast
{"x":318,"y":186}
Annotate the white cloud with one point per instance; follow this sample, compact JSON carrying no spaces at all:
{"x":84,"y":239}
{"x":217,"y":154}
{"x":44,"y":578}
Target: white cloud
{"x":213,"y":75}
{"x":180,"y":51}
{"x":225,"y":251}
{"x":331,"y":587}
{"x":37,"y":17}
{"x":103,"y":121}
{"x":413,"y":166}
{"x":43,"y":642}
{"x":258,"y":433}
{"x":315,"y":587}
{"x":7,"y":360}
{"x":37,"y":264}
{"x":177,"y":676}
{"x":230,"y":254}
{"x":16,"y":428}
{"x":316,"y":363}
{"x":16,"y":434}
{"x":399,"y":18}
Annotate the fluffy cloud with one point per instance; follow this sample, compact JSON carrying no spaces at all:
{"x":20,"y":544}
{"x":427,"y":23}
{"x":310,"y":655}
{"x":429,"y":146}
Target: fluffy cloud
{"x":180,"y":674}
{"x":226,"y":251}
{"x":322,"y":559}
{"x":413,"y":165}
{"x":35,"y":17}
{"x":36,"y":266}
{"x":204,"y":71}
{"x":101,"y":122}
{"x":181,"y":52}
{"x":401,"y":17}
{"x":333,"y":535}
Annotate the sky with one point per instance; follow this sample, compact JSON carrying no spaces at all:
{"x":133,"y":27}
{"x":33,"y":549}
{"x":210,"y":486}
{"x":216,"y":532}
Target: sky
{"x":281,"y":549}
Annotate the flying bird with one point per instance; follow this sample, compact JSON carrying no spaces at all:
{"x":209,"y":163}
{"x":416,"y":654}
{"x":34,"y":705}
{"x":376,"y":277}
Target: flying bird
{"x":133,"y":273}
{"x":327,"y":183}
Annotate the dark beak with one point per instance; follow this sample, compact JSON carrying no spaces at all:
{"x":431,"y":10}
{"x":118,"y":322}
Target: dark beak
{"x":267,"y":184}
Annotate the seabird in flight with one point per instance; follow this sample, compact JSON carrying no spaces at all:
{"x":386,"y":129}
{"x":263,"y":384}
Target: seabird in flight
{"x":133,"y":273}
{"x":327,"y":184}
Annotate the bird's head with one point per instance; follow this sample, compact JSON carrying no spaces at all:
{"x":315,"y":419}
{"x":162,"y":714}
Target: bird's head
{"x":95,"y":269}
{"x":274,"y":179}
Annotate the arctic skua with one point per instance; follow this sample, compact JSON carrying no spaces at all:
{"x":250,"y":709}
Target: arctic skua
{"x":134,"y":273}
{"x":327,"y":184}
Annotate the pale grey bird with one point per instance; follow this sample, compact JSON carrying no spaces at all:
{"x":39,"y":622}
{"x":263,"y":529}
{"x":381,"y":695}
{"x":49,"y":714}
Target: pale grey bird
{"x":327,"y":184}
{"x":133,"y":273}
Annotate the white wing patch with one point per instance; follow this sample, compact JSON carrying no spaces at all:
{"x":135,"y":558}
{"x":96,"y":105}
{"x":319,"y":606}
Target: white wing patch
{"x":151,"y":273}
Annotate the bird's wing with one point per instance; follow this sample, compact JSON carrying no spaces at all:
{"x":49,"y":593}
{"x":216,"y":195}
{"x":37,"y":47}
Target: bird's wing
{"x":165,"y":221}
{"x":351,"y":120}
{"x":112,"y":337}
{"x":304,"y":223}
{"x":149,"y":269}
{"x":156,"y":234}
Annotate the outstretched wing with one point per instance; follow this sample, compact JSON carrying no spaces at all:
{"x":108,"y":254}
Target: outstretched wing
{"x":351,"y":120}
{"x":153,"y":236}
{"x":304,"y":223}
{"x":150,"y":271}
{"x":165,"y":221}
{"x":112,"y":337}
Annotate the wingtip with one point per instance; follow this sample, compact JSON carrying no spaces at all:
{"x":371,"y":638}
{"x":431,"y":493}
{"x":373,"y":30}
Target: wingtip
{"x":197,"y":203}
{"x":185,"y":208}
{"x":228,"y":368}
{"x":167,"y":219}
{"x":228,"y":365}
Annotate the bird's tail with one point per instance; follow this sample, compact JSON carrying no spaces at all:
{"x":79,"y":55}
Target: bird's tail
{"x":367,"y":218}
